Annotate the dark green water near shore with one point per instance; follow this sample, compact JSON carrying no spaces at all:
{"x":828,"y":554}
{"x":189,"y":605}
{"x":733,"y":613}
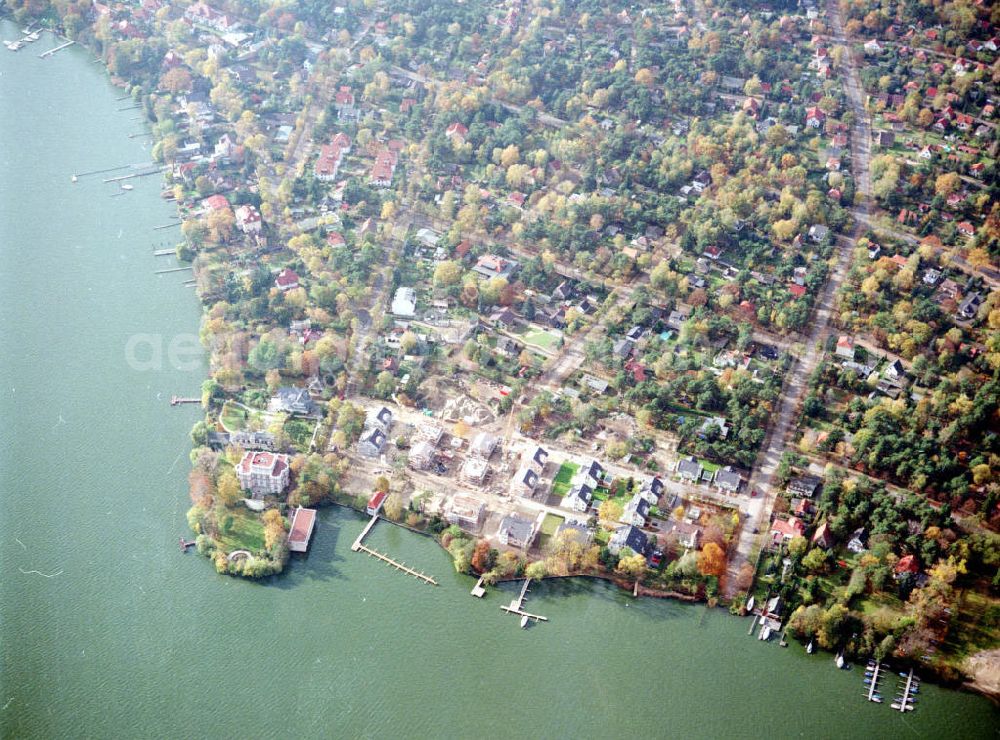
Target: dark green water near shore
{"x":107,"y":631}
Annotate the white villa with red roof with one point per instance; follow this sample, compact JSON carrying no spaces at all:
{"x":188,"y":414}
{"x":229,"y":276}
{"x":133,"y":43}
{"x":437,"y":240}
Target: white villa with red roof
{"x":248,"y":219}
{"x":287,"y":279}
{"x":263,"y":473}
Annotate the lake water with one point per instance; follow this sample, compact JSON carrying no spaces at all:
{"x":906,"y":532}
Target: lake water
{"x":108,"y":631}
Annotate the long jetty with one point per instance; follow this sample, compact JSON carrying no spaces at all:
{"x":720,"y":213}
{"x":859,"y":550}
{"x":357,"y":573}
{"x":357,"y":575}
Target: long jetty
{"x":904,"y":704}
{"x":145,"y":173}
{"x":359,"y":546}
{"x":516,"y":604}
{"x":178,"y":400}
{"x":173,"y":269}
{"x":50,"y":52}
{"x":873,"y":688}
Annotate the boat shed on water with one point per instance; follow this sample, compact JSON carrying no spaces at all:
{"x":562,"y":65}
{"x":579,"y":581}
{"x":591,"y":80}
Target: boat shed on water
{"x":303,"y":522}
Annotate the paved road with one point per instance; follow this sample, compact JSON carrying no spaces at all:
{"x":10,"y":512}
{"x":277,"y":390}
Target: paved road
{"x":796,"y":382}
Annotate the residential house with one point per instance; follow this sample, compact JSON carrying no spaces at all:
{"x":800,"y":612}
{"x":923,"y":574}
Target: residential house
{"x":263,"y":473}
{"x":525,"y":482}
{"x":579,"y":497}
{"x":818,"y":232}
{"x":591,"y":474}
{"x":804,"y":485}
{"x":728,"y":479}
{"x":635,"y":511}
{"x":845,"y":347}
{"x":537,"y":458}
{"x":248,"y":219}
{"x":291,"y":400}
{"x":287,"y":279}
{"x":823,"y":537}
{"x":467,"y":512}
{"x":379,"y":418}
{"x":689,"y":469}
{"x":651,"y":490}
{"x":858,"y":542}
{"x":969,"y":306}
{"x":629,"y":537}
{"x":491,"y":265}
{"x":404,"y":302}
{"x":895,"y":371}
{"x":372,"y":442}
{"x":254,"y":441}
{"x":516,"y":531}
{"x":783,"y":530}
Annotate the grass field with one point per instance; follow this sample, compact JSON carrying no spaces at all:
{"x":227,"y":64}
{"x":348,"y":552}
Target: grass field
{"x":541,"y":338}
{"x":561,"y":483}
{"x":550,"y":524}
{"x":234,"y":418}
{"x":241,"y":530}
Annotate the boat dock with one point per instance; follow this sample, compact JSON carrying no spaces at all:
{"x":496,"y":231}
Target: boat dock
{"x":134,"y":174}
{"x":516,"y":604}
{"x":164,"y":252}
{"x":173,"y":269}
{"x":873,"y":687}
{"x":167,"y":226}
{"x":358,"y":546}
{"x":478,"y":591}
{"x":178,"y":400}
{"x":50,"y":52}
{"x":905,"y":702}
{"x":185,"y":544}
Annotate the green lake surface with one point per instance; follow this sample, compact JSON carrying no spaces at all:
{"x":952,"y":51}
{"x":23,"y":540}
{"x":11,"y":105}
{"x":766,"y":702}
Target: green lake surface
{"x":108,"y":631}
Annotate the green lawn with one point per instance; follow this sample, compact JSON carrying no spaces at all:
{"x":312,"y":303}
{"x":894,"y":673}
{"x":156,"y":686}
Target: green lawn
{"x":233,"y":418}
{"x":300,"y":432}
{"x":245,"y":532}
{"x":541,"y":338}
{"x":561,"y":483}
{"x":551,"y":523}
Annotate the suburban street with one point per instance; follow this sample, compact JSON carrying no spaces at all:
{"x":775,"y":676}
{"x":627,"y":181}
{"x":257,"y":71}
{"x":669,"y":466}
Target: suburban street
{"x":755,"y":532}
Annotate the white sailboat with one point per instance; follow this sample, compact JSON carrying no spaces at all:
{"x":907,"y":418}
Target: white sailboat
{"x":840,"y":660}
{"x":750,"y":604}
{"x":810,"y":647}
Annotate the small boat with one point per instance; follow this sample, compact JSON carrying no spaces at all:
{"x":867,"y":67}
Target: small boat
{"x":33,"y":36}
{"x":839,"y":660}
{"x":877,"y":699}
{"x":810,"y":647}
{"x":126,"y":186}
{"x":765,"y":633}
{"x":750,"y":604}
{"x":524,"y":622}
{"x":73,"y":178}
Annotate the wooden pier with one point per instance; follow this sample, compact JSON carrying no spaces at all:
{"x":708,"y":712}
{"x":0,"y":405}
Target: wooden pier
{"x":173,"y":269}
{"x":164,"y":252}
{"x":873,"y":689}
{"x":516,"y":604}
{"x":50,"y":52}
{"x":178,"y":400}
{"x":478,"y":591}
{"x":185,"y":544}
{"x":167,"y":226}
{"x":904,"y":704}
{"x":358,"y":546}
{"x":144,"y":173}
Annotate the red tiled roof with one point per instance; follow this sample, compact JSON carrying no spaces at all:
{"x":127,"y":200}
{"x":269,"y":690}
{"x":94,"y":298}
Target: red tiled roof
{"x":302,"y":524}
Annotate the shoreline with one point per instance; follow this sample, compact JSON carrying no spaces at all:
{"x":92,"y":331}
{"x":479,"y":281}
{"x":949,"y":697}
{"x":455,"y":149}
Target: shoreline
{"x":144,"y":100}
